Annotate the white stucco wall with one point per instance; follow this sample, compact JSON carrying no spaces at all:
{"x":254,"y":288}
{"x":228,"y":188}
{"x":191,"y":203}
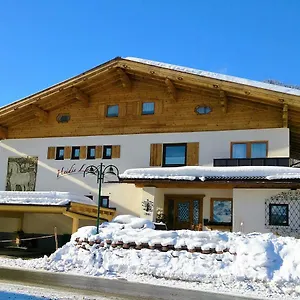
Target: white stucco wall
{"x":249,"y":209}
{"x":135,"y":153}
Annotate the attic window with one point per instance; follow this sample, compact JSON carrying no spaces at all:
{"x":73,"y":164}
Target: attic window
{"x":202,"y":110}
{"x":63,"y":118}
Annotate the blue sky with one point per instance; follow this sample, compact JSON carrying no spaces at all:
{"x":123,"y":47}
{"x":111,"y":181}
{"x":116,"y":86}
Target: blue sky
{"x":47,"y":41}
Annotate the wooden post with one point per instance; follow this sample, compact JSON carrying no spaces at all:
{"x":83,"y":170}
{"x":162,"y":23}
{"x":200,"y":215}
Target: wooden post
{"x":75,"y":225}
{"x":55,"y":237}
{"x":20,"y":223}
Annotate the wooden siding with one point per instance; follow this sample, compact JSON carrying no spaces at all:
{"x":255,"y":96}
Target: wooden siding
{"x":170,"y":115}
{"x":192,"y":157}
{"x":155,"y":155}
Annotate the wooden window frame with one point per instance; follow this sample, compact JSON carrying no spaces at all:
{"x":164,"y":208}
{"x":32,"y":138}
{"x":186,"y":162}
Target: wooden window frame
{"x":212,"y":209}
{"x":88,"y":156}
{"x":104,"y":156}
{"x":74,"y":148}
{"x":270,"y":218}
{"x":57,"y":152}
{"x":112,"y":116}
{"x":148,"y":114}
{"x":248,"y":147}
{"x":164,"y":154}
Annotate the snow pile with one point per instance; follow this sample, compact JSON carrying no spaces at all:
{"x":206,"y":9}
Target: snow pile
{"x":42,"y":198}
{"x":258,"y":84}
{"x":202,"y":173}
{"x":265,"y":258}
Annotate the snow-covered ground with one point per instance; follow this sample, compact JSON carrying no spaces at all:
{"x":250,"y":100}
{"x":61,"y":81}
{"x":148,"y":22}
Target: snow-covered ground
{"x":29,"y":292}
{"x":262,"y":265}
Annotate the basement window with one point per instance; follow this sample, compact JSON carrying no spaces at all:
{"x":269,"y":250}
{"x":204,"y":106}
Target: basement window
{"x":63,"y":118}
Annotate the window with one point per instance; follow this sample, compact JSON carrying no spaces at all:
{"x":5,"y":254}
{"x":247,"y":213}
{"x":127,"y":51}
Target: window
{"x":221,"y":210}
{"x":104,"y":201}
{"x":148,"y":108}
{"x":75,"y":153}
{"x":112,"y":111}
{"x":60,"y":153}
{"x":174,"y":155}
{"x":107,"y":151}
{"x":63,"y":118}
{"x":91,"y":152}
{"x":279,"y":214}
{"x":202,"y":110}
{"x":249,"y":150}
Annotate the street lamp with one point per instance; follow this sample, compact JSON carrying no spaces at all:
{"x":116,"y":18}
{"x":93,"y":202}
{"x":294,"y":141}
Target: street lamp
{"x":100,"y":171}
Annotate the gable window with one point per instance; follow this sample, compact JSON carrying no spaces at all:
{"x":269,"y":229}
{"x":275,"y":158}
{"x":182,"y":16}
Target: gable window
{"x":112,"y":111}
{"x":202,"y":110}
{"x":75,"y":153}
{"x":148,"y":108}
{"x":221,"y":210}
{"x":63,"y":118}
{"x":249,"y":150}
{"x":174,"y":155}
{"x":60,"y":153}
{"x":91,"y":152}
{"x":107,"y":152}
{"x":279,"y":214}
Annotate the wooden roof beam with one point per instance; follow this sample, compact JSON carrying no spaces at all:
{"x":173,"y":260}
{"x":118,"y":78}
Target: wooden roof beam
{"x":224,"y":101}
{"x":126,"y":82}
{"x":285,"y":116}
{"x":3,"y":132}
{"x":81,"y":96}
{"x":41,"y":114}
{"x":171,"y":88}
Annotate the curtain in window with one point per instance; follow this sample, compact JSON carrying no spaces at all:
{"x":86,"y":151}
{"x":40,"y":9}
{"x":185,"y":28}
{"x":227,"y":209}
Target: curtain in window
{"x":258,"y":150}
{"x":148,"y":108}
{"x":175,"y":155}
{"x":239,"y":151}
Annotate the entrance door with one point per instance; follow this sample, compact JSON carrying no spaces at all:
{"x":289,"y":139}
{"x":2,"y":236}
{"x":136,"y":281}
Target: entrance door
{"x":183,"y":211}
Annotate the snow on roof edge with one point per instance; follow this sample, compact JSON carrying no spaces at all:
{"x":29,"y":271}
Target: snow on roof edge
{"x":223,"y":77}
{"x":203,"y":173}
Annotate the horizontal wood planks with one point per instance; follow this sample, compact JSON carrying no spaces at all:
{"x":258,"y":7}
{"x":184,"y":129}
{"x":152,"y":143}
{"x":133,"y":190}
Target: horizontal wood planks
{"x":170,"y":115}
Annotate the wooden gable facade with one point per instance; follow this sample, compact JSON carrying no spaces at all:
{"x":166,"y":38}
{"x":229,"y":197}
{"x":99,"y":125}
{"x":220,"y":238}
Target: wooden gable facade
{"x":128,"y":84}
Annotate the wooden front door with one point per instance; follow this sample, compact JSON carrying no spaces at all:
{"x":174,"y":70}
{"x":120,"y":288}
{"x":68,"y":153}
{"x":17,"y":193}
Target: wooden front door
{"x":183,"y":211}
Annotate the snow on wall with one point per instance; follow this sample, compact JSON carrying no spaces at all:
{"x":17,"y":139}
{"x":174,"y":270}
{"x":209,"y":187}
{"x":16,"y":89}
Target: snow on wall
{"x":253,"y":83}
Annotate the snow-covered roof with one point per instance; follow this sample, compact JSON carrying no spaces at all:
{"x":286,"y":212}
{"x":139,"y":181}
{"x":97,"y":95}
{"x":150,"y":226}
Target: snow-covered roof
{"x":42,"y":198}
{"x":215,"y":173}
{"x":253,"y":83}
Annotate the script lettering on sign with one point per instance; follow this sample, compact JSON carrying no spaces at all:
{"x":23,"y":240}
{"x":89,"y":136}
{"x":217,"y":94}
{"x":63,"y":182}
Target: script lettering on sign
{"x":70,"y":170}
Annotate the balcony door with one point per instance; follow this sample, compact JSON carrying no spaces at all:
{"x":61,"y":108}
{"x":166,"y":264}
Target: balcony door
{"x":183,"y":211}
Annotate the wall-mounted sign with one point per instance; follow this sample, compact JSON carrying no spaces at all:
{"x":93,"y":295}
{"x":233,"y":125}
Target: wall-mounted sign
{"x":70,"y":170}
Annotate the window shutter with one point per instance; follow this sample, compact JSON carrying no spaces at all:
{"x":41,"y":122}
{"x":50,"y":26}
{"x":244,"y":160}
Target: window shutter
{"x":67,"y":152}
{"x":192,"y":157}
{"x":155,"y":155}
{"x":98,"y":152}
{"x":116,"y":151}
{"x":82,"y":152}
{"x":51,"y":153}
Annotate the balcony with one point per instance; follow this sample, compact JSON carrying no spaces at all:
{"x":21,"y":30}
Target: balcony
{"x":234,"y":162}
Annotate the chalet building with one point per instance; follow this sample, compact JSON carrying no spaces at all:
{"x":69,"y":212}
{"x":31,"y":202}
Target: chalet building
{"x":194,"y":149}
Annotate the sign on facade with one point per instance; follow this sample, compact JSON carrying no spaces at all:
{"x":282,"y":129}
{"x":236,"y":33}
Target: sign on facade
{"x":21,"y":173}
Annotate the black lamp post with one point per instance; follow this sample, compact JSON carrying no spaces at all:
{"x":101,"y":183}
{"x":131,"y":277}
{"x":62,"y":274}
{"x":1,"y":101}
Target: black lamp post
{"x":100,"y":171}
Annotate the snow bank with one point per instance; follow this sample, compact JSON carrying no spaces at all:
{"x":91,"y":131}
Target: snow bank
{"x":203,"y":173}
{"x":258,"y":84}
{"x":265,"y":258}
{"x":42,"y":198}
